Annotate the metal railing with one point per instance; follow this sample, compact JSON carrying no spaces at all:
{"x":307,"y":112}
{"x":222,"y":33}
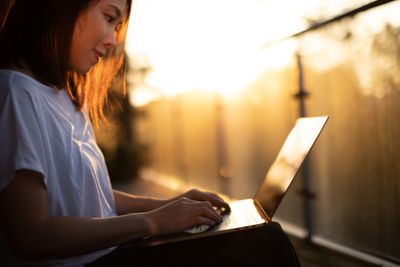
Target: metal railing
{"x":302,"y":94}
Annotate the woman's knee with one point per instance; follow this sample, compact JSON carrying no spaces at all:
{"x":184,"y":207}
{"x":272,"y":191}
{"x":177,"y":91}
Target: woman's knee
{"x":278,"y":236}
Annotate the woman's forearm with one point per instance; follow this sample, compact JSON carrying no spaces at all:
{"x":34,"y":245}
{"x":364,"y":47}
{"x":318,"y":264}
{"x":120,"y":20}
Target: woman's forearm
{"x":128,"y":203}
{"x":72,"y":236}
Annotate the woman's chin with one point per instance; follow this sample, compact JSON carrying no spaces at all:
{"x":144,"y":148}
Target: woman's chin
{"x":84,"y":70}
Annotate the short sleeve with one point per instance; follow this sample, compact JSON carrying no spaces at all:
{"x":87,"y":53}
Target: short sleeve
{"x":21,"y":139}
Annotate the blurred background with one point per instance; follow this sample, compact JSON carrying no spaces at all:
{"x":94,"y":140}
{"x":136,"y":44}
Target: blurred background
{"x":215,"y":86}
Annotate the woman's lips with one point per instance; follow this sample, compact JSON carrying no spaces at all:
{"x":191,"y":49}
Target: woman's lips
{"x":98,"y":55}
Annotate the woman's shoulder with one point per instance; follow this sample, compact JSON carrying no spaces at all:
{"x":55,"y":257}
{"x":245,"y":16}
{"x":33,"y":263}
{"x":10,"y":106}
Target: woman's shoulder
{"x":18,"y":85}
{"x":10,"y":79}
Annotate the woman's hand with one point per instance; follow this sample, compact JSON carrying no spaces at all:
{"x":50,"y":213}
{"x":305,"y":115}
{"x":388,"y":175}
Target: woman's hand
{"x":180,"y":215}
{"x":214,"y":199}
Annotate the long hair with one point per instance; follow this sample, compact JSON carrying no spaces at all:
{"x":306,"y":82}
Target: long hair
{"x":38,"y":34}
{"x":5,"y":7}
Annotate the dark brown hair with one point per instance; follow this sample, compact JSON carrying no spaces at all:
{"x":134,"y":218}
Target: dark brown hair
{"x":37,"y":35}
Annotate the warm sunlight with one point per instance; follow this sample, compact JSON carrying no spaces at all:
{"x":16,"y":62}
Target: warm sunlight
{"x":215,"y":45}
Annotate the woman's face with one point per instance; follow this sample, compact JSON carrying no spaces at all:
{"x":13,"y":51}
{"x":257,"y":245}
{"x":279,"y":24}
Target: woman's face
{"x":95,"y":32}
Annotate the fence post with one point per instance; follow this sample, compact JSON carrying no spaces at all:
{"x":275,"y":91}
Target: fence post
{"x":306,"y":193}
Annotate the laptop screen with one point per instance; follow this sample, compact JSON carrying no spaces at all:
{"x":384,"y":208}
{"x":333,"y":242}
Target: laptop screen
{"x":288,"y":162}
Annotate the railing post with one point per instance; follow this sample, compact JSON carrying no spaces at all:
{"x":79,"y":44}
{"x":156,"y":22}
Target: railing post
{"x":306,"y":193}
{"x":222,"y":160}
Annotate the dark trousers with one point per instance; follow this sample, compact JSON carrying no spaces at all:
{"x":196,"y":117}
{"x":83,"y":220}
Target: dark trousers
{"x":265,"y":246}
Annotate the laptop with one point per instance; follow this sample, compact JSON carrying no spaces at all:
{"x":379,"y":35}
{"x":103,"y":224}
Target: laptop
{"x":259,"y":210}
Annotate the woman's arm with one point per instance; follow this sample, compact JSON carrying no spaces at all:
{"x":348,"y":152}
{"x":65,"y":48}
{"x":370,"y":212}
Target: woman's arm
{"x":128,"y":203}
{"x":35,"y":235}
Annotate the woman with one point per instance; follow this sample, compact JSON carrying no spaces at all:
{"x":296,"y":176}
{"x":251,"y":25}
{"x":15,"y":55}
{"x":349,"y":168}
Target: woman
{"x":57,"y":206}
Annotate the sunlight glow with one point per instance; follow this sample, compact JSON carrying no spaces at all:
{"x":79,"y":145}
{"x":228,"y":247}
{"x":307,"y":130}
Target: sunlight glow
{"x":215,"y":45}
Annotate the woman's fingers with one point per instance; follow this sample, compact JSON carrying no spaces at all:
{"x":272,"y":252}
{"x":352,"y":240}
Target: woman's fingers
{"x":213,"y":198}
{"x":205,"y":209}
{"x":218,"y":202}
{"x":199,"y":220}
{"x":197,"y":209}
{"x":181,"y":215}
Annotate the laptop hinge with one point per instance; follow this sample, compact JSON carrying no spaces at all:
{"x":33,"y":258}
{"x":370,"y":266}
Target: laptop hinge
{"x":261,"y":210}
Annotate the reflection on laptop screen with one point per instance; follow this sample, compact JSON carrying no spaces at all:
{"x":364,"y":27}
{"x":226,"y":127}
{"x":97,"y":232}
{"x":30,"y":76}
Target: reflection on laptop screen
{"x":286,"y":165}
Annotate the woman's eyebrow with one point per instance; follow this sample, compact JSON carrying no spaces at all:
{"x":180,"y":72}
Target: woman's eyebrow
{"x":116,"y":9}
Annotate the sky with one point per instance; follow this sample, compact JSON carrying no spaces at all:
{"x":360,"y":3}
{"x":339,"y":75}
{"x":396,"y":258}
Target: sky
{"x":214,"y":44}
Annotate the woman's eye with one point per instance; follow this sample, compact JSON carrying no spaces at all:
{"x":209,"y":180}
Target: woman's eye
{"x":110,"y":18}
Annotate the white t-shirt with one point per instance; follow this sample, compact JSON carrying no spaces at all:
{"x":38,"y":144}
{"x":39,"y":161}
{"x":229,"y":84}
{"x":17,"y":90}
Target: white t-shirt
{"x":42,"y":130}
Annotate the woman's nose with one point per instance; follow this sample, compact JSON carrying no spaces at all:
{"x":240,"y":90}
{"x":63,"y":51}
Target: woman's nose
{"x":110,"y":39}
